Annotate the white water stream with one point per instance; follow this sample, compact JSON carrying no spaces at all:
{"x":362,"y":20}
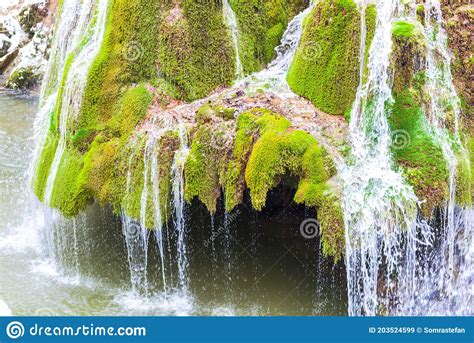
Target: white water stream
{"x":231,"y":22}
{"x":397,"y":263}
{"x":89,"y":28}
{"x":274,"y":76}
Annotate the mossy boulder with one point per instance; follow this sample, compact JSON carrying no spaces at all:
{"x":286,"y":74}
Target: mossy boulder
{"x":417,"y":151}
{"x":23,"y":78}
{"x":261,"y":27}
{"x":408,"y":53}
{"x":267,"y":150}
{"x":194,"y":48}
{"x":326,"y":65}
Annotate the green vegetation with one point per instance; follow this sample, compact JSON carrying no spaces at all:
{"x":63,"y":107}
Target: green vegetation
{"x":419,"y":155}
{"x":280,"y":151}
{"x":122,"y":82}
{"x":23,"y":78}
{"x":261,"y":26}
{"x":207,"y":162}
{"x":326,"y":65}
{"x":403,"y":29}
{"x":195,"y":51}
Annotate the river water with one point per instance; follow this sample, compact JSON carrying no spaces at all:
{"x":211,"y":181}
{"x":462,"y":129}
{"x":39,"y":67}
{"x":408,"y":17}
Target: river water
{"x":257,"y":264}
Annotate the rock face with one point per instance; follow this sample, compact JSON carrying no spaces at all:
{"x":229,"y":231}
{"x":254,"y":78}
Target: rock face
{"x":459,"y":18}
{"x":326,"y":66}
{"x":25,"y":34}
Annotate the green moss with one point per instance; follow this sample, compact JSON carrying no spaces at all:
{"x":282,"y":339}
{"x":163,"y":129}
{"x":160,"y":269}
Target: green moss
{"x":463,"y":183}
{"x":205,"y":164}
{"x":23,"y":78}
{"x":195,"y":50}
{"x":326,"y":65}
{"x":44,"y":166}
{"x":126,"y":56}
{"x":331,"y":221}
{"x":403,"y":29}
{"x":280,"y":151}
{"x":417,"y":152}
{"x":235,"y":178}
{"x":52,"y":138}
{"x":408,"y":54}
{"x":69,"y":195}
{"x":261,"y":26}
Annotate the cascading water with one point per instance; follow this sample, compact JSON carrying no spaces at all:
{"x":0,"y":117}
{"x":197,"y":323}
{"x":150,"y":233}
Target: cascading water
{"x":231,"y":22}
{"x":444,"y":289}
{"x":85,"y":43}
{"x":76,"y":39}
{"x":137,"y":232}
{"x":378,"y":205}
{"x":393,"y":265}
{"x":177,"y":172}
{"x":274,"y":76}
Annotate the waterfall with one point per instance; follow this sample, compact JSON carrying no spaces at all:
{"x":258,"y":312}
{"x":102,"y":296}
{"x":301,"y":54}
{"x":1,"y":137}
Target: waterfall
{"x":136,"y":236}
{"x":231,"y":22}
{"x":177,"y":171}
{"x":444,"y":289}
{"x":379,"y":207}
{"x":137,"y":232}
{"x":86,"y":40}
{"x":274,"y":76}
{"x":394,"y":263}
{"x":159,"y":229}
{"x":49,"y":88}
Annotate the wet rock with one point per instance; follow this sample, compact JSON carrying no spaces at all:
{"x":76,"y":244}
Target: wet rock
{"x":6,"y":60}
{"x":459,"y":20}
{"x":5,"y":45}
{"x":4,"y":30}
{"x":23,"y":79}
{"x":31,"y":14}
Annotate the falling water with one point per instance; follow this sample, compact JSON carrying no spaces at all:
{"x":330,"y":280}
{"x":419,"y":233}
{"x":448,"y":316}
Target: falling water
{"x":137,"y":242}
{"x":136,"y":235}
{"x":91,"y":31}
{"x":178,"y":201}
{"x":231,"y":21}
{"x":397,"y":263}
{"x":274,"y":76}
{"x":159,"y":229}
{"x":49,"y":88}
{"x":378,"y":205}
{"x":444,"y":287}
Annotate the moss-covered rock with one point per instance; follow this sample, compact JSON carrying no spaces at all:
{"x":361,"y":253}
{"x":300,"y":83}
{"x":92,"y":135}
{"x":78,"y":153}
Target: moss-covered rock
{"x":23,"y":79}
{"x":261,"y":26}
{"x":416,"y":147}
{"x":207,"y":161}
{"x":130,"y":72}
{"x":408,"y":53}
{"x":266,"y":150}
{"x":195,"y":50}
{"x":326,"y":65}
{"x":417,"y":151}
